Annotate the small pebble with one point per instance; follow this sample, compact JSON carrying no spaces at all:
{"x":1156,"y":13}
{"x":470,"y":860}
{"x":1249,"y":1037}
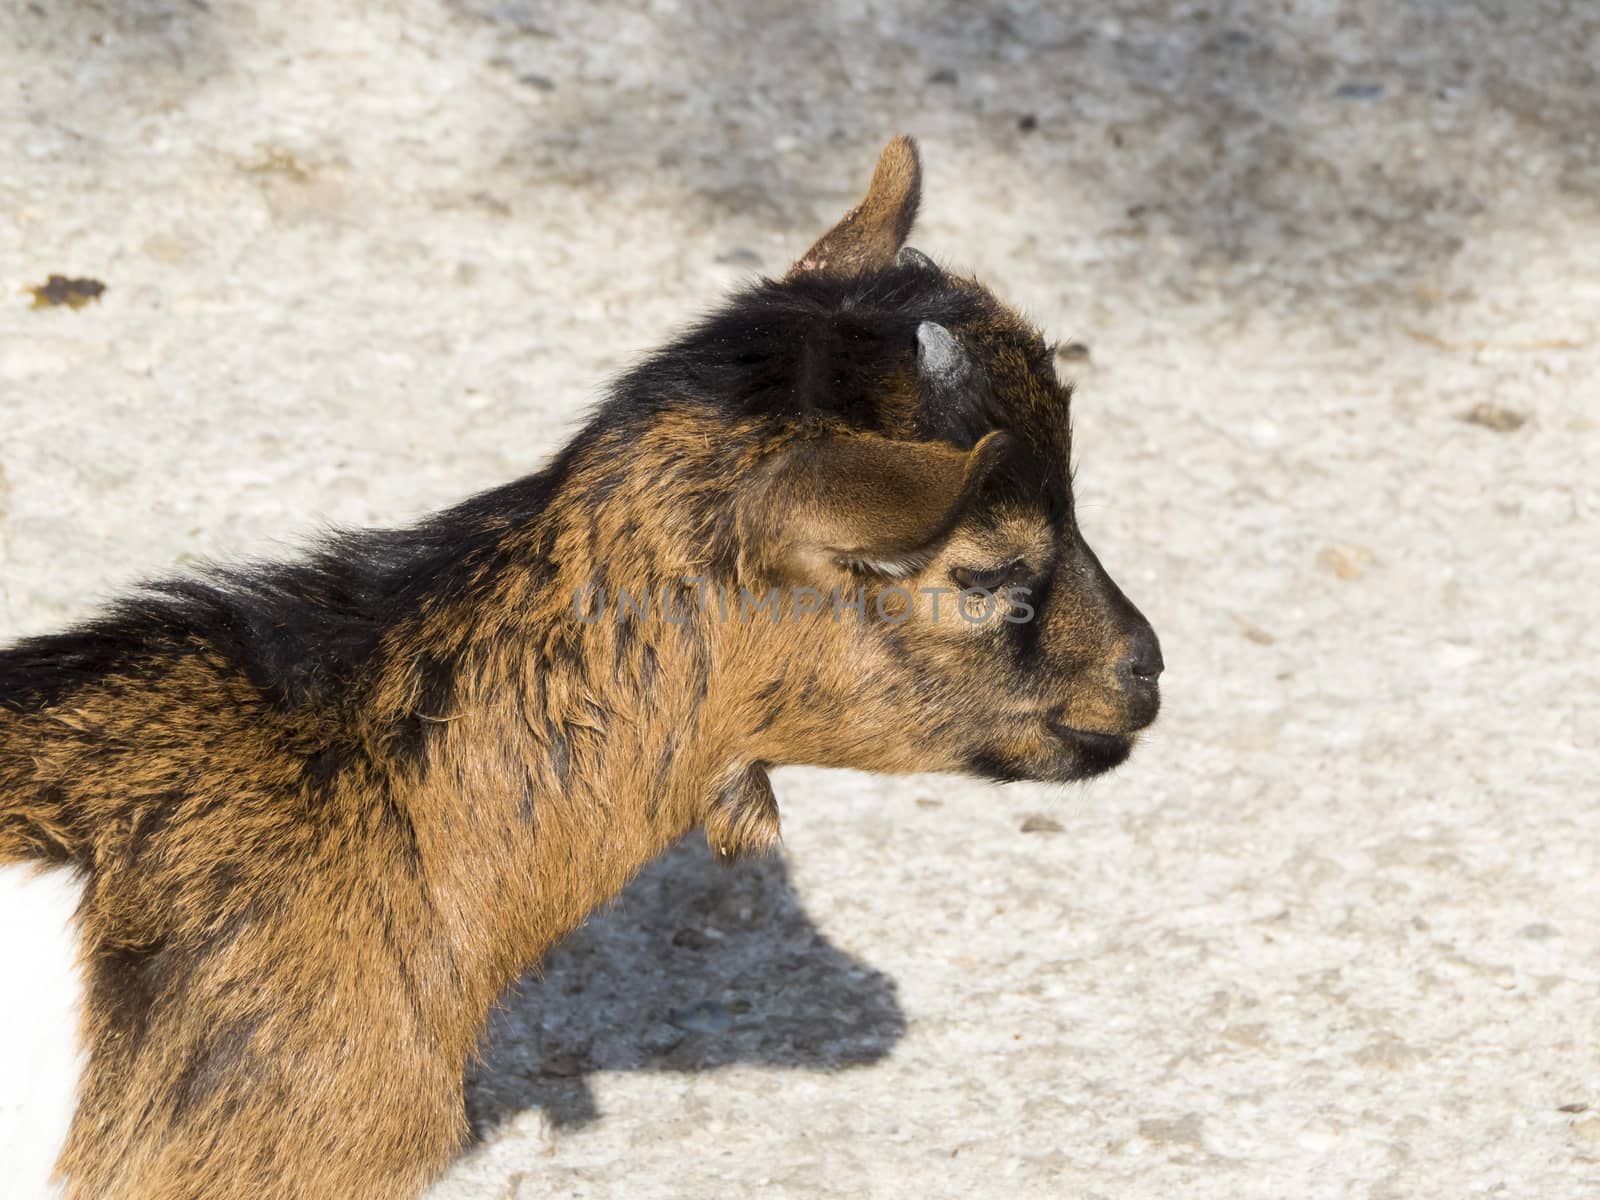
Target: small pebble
{"x":1347,"y":562}
{"x":567,"y":1065}
{"x":1073,"y":352}
{"x":1027,"y":122}
{"x":1253,"y":631}
{"x":1359,"y":91}
{"x":705,"y":1017}
{"x":945,"y":77}
{"x":662,"y":1039}
{"x":59,"y":290}
{"x":1040,"y":824}
{"x":1492,"y":416}
{"x":740,"y":256}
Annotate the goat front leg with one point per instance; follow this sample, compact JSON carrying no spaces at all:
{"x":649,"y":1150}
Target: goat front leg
{"x":743,"y":816}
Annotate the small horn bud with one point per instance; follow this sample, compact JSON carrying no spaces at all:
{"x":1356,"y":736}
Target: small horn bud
{"x":910,"y":256}
{"x":940,"y":358}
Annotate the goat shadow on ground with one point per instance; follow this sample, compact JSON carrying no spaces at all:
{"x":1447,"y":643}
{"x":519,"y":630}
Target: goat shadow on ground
{"x":696,"y":966}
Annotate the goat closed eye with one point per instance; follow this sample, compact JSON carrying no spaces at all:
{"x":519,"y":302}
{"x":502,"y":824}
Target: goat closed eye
{"x":991,"y":579}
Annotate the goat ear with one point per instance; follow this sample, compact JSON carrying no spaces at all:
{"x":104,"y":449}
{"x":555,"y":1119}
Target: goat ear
{"x":868,"y":237}
{"x":871,"y":501}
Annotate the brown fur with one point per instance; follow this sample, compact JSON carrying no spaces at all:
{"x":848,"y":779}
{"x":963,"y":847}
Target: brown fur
{"x":299,"y":910}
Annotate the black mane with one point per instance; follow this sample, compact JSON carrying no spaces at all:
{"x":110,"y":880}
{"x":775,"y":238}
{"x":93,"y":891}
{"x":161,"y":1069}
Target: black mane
{"x":814,"y":345}
{"x":297,"y":630}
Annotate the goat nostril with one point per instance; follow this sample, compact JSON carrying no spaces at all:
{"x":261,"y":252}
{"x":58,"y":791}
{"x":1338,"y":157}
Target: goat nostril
{"x":1145,"y":663}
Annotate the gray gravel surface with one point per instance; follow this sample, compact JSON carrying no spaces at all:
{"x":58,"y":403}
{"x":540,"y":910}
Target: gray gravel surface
{"x":1334,"y":931}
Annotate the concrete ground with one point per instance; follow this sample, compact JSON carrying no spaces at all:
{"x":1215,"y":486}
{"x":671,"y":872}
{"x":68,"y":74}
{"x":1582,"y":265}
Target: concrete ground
{"x":1333,"y":932}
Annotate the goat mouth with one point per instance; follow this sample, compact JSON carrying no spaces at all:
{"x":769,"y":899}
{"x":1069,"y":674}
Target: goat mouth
{"x":1096,"y":752}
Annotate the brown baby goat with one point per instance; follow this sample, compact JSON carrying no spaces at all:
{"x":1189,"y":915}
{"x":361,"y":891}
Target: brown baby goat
{"x":324,"y":813}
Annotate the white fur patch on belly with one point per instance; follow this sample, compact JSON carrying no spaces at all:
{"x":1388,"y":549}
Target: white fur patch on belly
{"x":40,"y":1002}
